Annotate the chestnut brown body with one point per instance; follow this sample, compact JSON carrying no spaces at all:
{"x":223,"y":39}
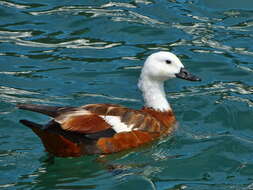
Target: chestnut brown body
{"x":83,"y":130}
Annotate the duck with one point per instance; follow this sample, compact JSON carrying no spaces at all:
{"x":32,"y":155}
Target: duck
{"x":109,"y":128}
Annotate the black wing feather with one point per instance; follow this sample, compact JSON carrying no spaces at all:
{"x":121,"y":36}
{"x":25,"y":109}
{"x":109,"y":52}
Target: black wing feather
{"x":52,"y":111}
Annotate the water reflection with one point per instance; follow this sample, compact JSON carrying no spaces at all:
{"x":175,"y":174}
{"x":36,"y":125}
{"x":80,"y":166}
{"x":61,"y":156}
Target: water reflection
{"x":79,"y":173}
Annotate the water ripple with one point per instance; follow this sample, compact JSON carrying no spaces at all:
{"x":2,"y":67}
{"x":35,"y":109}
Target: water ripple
{"x":14,"y":95}
{"x":232,"y":91}
{"x":216,"y":88}
{"x":78,"y":43}
{"x":146,"y":2}
{"x":15,"y":5}
{"x":7,"y":185}
{"x":8,"y":90}
{"x":4,"y":35}
{"x":215,"y":137}
{"x":245,"y":68}
{"x":116,"y":4}
{"x":117,"y":15}
{"x":17,"y":38}
{"x":204,"y":30}
{"x":82,"y":94}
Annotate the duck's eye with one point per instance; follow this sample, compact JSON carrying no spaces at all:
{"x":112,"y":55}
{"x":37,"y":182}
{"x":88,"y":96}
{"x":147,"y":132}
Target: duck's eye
{"x":168,"y":61}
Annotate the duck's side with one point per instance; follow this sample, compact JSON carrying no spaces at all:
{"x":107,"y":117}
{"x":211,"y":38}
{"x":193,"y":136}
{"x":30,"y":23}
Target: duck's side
{"x":146,"y":125}
{"x":98,"y":128}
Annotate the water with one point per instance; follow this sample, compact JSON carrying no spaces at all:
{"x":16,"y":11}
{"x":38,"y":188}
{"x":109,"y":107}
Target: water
{"x":78,"y":52}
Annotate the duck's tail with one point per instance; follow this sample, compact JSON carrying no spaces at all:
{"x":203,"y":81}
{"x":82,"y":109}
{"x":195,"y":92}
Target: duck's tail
{"x":54,"y":143}
{"x":51,"y":111}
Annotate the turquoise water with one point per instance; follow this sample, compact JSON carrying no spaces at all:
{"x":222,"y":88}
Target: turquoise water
{"x":79,"y":52}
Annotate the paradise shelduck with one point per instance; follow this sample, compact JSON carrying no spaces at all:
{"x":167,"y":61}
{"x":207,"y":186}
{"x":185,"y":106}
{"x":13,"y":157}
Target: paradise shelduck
{"x":109,"y":128}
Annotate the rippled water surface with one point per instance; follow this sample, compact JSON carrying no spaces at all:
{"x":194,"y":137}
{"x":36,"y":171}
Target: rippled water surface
{"x":77,"y":52}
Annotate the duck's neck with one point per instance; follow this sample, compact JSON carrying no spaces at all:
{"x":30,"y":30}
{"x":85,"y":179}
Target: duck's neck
{"x":154,"y":94}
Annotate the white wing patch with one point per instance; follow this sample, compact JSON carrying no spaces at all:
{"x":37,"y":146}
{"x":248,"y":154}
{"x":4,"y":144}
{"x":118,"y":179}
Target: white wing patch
{"x":117,"y":124}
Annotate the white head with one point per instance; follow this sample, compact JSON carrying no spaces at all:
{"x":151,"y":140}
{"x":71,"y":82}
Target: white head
{"x":162,"y":66}
{"x":158,"y":68}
